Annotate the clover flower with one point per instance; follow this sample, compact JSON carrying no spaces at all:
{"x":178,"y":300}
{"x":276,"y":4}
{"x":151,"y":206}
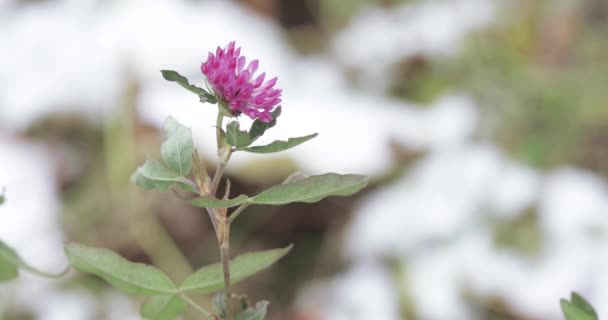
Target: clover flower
{"x":236,"y":87}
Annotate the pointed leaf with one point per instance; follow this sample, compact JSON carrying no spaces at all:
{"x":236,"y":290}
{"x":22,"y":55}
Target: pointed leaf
{"x":582,"y":304}
{"x":154,"y":175}
{"x":258,"y":128}
{"x":258,"y":313}
{"x":8,"y":263}
{"x":312,"y":189}
{"x":236,"y":137}
{"x":280,"y":145}
{"x":132,"y":278}
{"x":212,"y":202}
{"x":210,"y":278}
{"x":163,"y":307}
{"x":171,"y":75}
{"x":177,"y":149}
{"x":572,"y":312}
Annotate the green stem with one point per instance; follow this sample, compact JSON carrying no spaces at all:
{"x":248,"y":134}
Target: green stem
{"x":195,"y":305}
{"x":238,"y":211}
{"x":218,"y":128}
{"x":218,"y":175}
{"x":225,"y":257}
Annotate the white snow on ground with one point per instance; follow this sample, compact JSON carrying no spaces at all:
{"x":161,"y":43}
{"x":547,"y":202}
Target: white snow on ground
{"x":29,"y":225}
{"x":381,"y":37}
{"x":365,"y":291}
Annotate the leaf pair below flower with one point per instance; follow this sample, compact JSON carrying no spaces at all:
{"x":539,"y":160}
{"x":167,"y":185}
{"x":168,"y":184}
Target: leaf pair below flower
{"x":164,"y":301}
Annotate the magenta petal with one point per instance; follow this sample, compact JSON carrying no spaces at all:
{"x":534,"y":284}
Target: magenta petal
{"x":232,"y":82}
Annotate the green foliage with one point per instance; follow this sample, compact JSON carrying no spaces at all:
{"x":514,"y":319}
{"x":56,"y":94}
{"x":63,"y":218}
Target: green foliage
{"x":280,"y":145}
{"x":132,"y":278}
{"x":164,"y":302}
{"x":212,"y":202}
{"x":257,"y":313}
{"x":155,"y":175}
{"x":210,"y":278}
{"x":312,"y":189}
{"x":578,"y":308}
{"x":304,"y":189}
{"x":2,"y":197}
{"x":177,"y":149}
{"x":205,"y":96}
{"x":258,"y":128}
{"x":8,"y":263}
{"x":236,"y":137}
{"x":163,"y":307}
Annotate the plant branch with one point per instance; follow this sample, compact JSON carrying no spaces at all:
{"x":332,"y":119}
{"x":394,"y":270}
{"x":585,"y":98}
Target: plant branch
{"x":218,"y":174}
{"x":238,"y":211}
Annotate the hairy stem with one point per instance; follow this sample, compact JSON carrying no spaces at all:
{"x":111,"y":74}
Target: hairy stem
{"x":218,"y":175}
{"x":220,"y":215}
{"x":218,"y":129}
{"x":225,"y":256}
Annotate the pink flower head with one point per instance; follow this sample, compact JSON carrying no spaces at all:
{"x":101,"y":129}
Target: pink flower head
{"x":235,"y":85}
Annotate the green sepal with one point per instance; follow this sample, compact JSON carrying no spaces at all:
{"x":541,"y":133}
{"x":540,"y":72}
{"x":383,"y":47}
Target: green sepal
{"x":258,"y":128}
{"x":237,"y":137}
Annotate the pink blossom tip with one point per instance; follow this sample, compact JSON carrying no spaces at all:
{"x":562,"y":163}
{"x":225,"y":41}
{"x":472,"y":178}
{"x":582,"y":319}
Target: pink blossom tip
{"x":234,"y":83}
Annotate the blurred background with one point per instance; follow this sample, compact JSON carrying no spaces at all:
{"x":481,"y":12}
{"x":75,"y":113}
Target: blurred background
{"x":483,"y":125}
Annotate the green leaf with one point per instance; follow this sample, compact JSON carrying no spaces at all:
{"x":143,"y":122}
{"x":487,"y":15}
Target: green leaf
{"x":163,"y":307}
{"x":2,"y":197}
{"x":258,"y":128}
{"x":312,"y":189}
{"x":257,"y":313}
{"x":177,"y":149}
{"x":572,"y":312}
{"x":582,"y":304}
{"x":132,"y":278}
{"x":280,"y":145}
{"x":212,"y":202}
{"x":154,"y":175}
{"x":210,"y":278}
{"x":8,"y":263}
{"x":219,"y":303}
{"x":171,"y":75}
{"x":236,"y":137}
